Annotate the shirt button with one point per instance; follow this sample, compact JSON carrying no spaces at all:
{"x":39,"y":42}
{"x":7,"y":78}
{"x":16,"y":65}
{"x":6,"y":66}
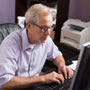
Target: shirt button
{"x":26,"y":68}
{"x":30,"y":68}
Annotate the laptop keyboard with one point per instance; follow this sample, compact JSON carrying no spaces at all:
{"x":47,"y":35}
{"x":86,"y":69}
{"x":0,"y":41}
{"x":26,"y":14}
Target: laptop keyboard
{"x":54,"y":86}
{"x":51,"y":86}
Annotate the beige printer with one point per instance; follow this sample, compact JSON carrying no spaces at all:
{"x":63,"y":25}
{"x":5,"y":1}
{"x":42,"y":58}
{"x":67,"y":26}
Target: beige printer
{"x":75,"y":32}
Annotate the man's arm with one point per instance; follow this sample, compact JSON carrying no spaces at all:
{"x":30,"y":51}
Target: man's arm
{"x":18,"y":82}
{"x":25,"y":82}
{"x":59,"y":61}
{"x":62,"y":68}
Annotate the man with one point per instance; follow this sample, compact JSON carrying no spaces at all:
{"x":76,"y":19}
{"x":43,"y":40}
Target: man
{"x":23,"y":53}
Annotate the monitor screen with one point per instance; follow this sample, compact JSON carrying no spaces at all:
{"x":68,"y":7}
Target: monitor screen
{"x":81,"y":79}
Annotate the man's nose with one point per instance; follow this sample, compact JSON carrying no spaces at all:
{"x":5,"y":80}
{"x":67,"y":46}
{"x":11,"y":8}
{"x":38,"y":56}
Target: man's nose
{"x":48,"y":32}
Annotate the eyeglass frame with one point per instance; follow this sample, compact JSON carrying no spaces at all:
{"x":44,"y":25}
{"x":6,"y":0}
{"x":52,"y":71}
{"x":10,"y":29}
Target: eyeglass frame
{"x":44,"y":29}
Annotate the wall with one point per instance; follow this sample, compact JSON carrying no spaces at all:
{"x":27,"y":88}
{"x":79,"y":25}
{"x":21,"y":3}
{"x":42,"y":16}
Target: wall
{"x":80,"y":9}
{"x":7,"y":11}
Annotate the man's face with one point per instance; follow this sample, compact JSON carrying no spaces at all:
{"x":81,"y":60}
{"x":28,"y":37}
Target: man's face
{"x":42,"y":28}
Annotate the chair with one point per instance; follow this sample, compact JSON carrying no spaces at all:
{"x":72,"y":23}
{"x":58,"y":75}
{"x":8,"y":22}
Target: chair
{"x":7,"y":28}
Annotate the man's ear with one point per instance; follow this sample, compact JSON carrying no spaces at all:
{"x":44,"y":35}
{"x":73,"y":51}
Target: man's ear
{"x":28,"y":25}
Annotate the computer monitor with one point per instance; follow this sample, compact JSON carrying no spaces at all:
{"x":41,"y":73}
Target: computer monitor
{"x":81,"y":79}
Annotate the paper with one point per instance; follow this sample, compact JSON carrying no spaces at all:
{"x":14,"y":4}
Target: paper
{"x":73,"y":66}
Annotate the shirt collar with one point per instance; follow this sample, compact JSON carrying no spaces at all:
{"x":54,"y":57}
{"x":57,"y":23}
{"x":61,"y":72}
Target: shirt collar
{"x":25,"y":41}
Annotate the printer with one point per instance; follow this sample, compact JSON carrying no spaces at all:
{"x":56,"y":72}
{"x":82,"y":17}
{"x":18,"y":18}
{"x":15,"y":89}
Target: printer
{"x":75,"y":32}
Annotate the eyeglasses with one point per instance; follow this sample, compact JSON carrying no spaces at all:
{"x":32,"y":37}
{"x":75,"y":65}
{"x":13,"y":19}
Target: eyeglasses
{"x":45,"y":28}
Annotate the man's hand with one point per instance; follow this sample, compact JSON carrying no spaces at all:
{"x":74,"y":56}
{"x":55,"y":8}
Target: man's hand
{"x":53,"y":77}
{"x":66,"y":71}
{"x":62,"y":68}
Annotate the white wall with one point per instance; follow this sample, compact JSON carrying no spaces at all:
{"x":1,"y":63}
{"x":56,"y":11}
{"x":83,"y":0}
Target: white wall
{"x":80,"y":9}
{"x":7,"y":11}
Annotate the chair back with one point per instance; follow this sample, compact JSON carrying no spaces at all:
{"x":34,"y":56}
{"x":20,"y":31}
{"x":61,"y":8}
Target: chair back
{"x":7,"y":28}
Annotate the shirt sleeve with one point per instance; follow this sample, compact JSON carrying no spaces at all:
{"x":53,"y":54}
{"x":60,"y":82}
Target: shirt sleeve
{"x":53,"y":50}
{"x":8,"y":62}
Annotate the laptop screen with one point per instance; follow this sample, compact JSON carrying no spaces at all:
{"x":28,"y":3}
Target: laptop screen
{"x":81,"y":79}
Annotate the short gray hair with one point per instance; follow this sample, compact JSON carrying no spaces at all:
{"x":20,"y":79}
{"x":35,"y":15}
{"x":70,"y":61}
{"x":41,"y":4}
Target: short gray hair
{"x":32,"y":14}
